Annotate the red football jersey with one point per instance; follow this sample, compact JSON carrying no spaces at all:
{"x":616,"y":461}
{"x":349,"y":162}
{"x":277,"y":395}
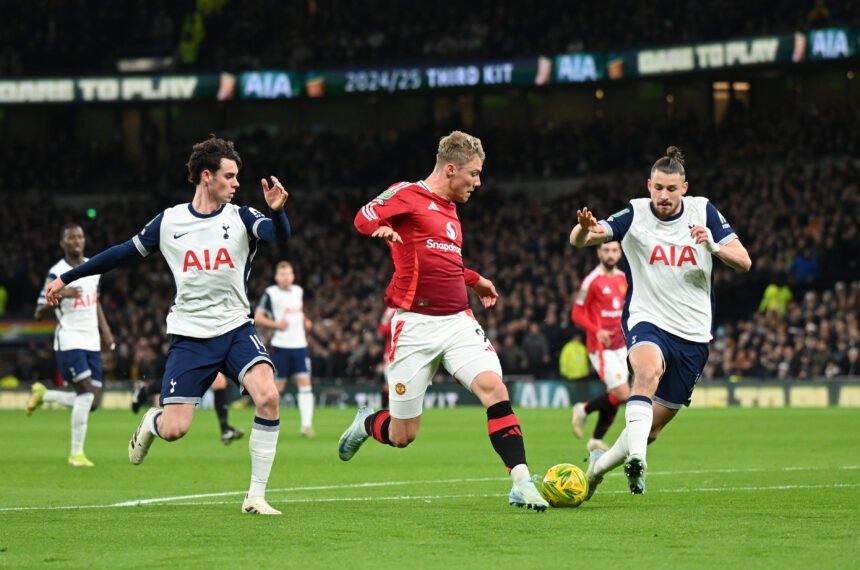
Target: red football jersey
{"x":428,"y":266}
{"x":599,"y":305}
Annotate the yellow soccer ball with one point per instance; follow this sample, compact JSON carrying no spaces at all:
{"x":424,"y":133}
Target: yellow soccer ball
{"x":564,"y":485}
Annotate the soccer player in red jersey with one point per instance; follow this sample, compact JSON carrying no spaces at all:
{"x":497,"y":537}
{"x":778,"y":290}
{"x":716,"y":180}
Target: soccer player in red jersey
{"x":432,"y":324}
{"x":598,"y":308}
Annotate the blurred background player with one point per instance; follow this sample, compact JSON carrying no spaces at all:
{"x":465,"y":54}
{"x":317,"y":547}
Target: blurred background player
{"x":282,"y":308}
{"x":433,"y":324}
{"x":384,"y":330}
{"x":598,"y":309}
{"x":208,"y":245}
{"x":669,"y":241}
{"x":77,"y":342}
{"x":143,"y":390}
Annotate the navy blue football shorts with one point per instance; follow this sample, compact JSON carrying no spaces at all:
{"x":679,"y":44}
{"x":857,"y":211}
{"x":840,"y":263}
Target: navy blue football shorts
{"x":290,"y":362}
{"x":683,"y":363}
{"x":193,"y":363}
{"x":76,"y":365}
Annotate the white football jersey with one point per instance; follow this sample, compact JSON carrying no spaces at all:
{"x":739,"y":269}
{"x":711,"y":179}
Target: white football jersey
{"x":669,"y":276}
{"x":286,"y":305}
{"x":210,"y":258}
{"x":77,"y":317}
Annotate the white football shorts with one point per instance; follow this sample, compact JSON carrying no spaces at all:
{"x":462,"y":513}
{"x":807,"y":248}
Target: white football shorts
{"x":611,"y":366}
{"x":420,"y":343}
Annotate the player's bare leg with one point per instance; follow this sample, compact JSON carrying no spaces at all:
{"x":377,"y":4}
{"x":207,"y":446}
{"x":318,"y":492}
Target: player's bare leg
{"x":170,"y":424}
{"x":259,"y":382}
{"x":229,"y":434}
{"x":403,"y":432}
{"x":507,"y":438}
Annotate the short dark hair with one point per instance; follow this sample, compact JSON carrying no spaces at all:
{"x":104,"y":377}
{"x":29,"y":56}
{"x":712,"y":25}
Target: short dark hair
{"x":66,"y":227}
{"x":672,"y":163}
{"x":207,"y":155}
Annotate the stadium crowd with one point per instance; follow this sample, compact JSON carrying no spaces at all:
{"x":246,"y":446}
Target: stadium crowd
{"x":69,"y":37}
{"x":519,"y":239}
{"x":329,"y":158}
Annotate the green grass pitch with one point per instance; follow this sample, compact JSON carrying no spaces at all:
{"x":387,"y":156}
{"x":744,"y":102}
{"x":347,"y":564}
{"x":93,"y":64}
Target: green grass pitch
{"x":730,"y":488}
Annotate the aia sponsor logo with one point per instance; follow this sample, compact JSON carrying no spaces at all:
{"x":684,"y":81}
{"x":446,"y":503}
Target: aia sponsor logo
{"x":87,"y":300}
{"x":209,"y":262}
{"x":675,"y":257}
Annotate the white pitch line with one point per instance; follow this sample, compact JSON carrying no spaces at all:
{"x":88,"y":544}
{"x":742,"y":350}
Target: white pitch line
{"x":373,"y":484}
{"x":313,"y":488}
{"x":429,"y":498}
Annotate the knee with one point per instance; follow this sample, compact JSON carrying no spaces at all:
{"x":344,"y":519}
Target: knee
{"x":490,"y":389}
{"x":646,"y":379}
{"x":267,"y":400}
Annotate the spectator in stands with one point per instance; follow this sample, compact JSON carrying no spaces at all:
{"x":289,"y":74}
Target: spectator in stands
{"x":573,"y":362}
{"x":776,"y":297}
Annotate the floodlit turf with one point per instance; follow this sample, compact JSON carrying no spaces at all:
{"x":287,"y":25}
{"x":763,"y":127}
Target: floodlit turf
{"x":737,"y":488}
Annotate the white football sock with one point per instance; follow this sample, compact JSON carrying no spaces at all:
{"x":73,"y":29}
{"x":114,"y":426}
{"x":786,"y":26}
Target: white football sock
{"x":614,"y":457}
{"x":305,"y":399}
{"x":149,"y":423}
{"x":80,"y":414}
{"x":520,"y":473}
{"x":60,"y":397}
{"x":640,"y":415}
{"x":262,"y":444}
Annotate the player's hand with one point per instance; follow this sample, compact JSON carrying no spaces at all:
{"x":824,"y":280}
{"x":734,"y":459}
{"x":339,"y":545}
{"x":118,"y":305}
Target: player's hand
{"x":283,"y":325}
{"x":604,"y":337}
{"x":486,"y":291}
{"x":54,"y":292}
{"x":309,"y":324}
{"x":585,"y":219}
{"x":275,"y":195}
{"x":703,"y":235}
{"x":108,"y":342}
{"x":387,"y":233}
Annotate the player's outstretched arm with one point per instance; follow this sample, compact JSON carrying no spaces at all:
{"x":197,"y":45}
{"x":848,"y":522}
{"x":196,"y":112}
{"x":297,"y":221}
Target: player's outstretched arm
{"x":110,"y":258}
{"x":587,"y":231}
